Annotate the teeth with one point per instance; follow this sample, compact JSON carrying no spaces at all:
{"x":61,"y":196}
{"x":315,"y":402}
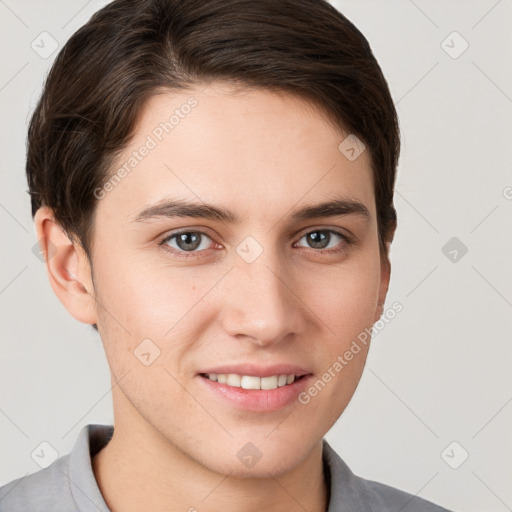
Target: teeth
{"x":268,"y":382}
{"x":251,"y":382}
{"x":233,"y":380}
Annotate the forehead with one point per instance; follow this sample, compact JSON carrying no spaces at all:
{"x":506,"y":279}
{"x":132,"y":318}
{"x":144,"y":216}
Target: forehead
{"x":256,"y":150}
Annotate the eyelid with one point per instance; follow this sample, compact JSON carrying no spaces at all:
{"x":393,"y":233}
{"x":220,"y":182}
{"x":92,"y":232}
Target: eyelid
{"x":170,"y":235}
{"x":343,"y":232}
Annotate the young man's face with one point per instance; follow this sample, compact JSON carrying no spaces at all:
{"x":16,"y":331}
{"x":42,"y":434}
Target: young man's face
{"x":259,"y":292}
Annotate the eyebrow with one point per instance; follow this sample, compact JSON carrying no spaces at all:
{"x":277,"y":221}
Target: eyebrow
{"x":170,"y":208}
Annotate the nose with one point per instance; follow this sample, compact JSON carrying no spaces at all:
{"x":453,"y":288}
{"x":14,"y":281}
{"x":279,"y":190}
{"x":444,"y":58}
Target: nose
{"x":261,"y":301}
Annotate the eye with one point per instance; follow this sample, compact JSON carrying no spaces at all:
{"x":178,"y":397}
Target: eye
{"x":186,"y":241}
{"x":319,"y":240}
{"x":185,"y":244}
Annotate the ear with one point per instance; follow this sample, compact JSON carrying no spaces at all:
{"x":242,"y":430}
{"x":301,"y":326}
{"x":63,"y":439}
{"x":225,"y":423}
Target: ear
{"x":67,"y":266}
{"x":385,"y":274}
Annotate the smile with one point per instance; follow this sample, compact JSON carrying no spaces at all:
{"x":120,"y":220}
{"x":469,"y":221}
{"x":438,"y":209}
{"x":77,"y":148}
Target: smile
{"x":252,"y":382}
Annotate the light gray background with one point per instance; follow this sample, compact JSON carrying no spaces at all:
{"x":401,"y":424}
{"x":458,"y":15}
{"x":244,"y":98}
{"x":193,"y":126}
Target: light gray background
{"x":438,"y":373}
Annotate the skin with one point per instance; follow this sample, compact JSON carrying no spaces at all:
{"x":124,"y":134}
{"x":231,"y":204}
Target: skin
{"x":175,"y":445}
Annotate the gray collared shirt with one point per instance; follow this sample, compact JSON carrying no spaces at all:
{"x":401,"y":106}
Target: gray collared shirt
{"x":69,"y":485}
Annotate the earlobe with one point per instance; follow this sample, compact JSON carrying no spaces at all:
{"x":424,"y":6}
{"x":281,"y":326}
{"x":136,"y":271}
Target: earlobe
{"x":67,"y":267}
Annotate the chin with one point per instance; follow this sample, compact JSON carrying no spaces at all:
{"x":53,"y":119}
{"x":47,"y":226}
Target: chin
{"x":259,"y":458}
{"x":273,"y":467}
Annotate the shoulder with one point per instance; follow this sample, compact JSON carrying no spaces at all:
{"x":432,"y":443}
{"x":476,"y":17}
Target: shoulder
{"x":349,"y":492}
{"x":68,"y":484}
{"x":394,"y":499}
{"x":39,"y":491}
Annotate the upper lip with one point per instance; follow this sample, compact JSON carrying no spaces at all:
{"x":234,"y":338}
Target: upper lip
{"x":259,"y":371}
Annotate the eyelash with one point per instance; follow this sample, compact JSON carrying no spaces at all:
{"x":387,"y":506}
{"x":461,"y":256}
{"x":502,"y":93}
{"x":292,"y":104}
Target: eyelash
{"x":347,"y":241}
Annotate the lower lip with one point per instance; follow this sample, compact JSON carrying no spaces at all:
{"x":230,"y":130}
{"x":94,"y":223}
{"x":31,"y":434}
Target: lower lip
{"x":258,"y":400}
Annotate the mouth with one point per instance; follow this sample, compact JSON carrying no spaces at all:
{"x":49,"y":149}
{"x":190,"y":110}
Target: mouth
{"x":252,"y":382}
{"x":251,"y":393}
{"x":249,"y":386}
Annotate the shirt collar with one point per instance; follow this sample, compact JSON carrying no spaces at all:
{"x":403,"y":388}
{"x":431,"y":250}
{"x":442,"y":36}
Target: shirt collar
{"x":83,"y":485}
{"x":348,"y":492}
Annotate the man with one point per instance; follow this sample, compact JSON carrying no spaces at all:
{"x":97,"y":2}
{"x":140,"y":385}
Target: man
{"x":212,"y":185}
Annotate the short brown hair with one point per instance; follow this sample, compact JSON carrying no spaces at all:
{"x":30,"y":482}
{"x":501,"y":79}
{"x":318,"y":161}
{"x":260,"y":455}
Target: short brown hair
{"x":128,"y":50}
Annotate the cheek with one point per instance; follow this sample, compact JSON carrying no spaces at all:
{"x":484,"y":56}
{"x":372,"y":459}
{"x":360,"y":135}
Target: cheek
{"x":143,"y":296}
{"x":346,"y":306}
{"x":344,"y":297}
{"x":141,"y":300}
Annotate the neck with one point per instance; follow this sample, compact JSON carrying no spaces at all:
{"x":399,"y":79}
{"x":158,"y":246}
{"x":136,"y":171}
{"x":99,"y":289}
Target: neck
{"x":139,"y":471}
